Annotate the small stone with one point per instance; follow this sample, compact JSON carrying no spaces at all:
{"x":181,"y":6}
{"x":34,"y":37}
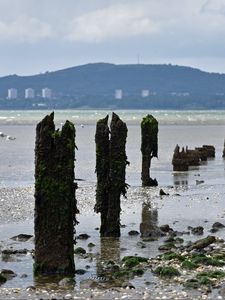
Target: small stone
{"x":91,"y":245}
{"x":66,"y":282}
{"x":83,"y":236}
{"x":197,"y":230}
{"x":133,"y":232}
{"x":22,"y":237}
{"x":79,"y":250}
{"x":8,"y":274}
{"x":80,"y":272}
{"x":162,"y":193}
{"x":166,"y":228}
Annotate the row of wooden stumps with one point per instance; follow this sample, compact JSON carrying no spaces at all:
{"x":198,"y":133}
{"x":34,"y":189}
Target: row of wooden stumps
{"x":185,"y":157}
{"x":55,"y":201}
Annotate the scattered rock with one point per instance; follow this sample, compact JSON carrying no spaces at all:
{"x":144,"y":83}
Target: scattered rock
{"x":218,"y":225}
{"x":197,"y":230}
{"x":79,"y":250}
{"x":201,"y":244}
{"x":91,"y":245}
{"x":2,"y":279}
{"x":83,"y":236}
{"x":199,"y":182}
{"x":128,"y":285}
{"x":80,"y":272}
{"x":67,"y":281}
{"x":162,"y":193}
{"x":24,"y":276}
{"x":13,"y":251}
{"x":166,"y":228}
{"x":21,"y":237}
{"x":141,"y":245}
{"x":8,"y":274}
{"x":133,"y":232}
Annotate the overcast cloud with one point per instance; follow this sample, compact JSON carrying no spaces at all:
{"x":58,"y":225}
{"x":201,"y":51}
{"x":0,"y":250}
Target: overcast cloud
{"x":36,"y":36}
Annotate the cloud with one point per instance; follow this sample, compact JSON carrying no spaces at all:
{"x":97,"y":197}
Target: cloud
{"x":24,"y":29}
{"x":214,"y":7}
{"x":115,"y":21}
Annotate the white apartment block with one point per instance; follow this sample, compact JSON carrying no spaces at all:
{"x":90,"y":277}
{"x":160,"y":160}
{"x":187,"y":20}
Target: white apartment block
{"x":29,"y":93}
{"x":118,"y":94}
{"x":46,"y":93}
{"x":144,"y":93}
{"x":12,"y":93}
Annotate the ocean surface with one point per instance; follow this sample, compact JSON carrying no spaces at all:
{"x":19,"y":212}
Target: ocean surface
{"x":197,"y":205}
{"x":191,"y":128}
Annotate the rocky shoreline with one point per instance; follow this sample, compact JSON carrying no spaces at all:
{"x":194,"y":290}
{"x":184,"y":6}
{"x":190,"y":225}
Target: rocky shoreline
{"x":177,"y":261}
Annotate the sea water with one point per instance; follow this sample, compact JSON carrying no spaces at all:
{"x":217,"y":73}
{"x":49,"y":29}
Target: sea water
{"x":196,"y":205}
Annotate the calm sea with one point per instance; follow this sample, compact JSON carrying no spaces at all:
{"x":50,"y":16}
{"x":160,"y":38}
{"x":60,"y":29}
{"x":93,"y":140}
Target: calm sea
{"x":192,"y":128}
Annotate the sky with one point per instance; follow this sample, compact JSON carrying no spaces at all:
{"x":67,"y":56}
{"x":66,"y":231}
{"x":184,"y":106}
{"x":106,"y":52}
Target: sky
{"x":47,"y":35}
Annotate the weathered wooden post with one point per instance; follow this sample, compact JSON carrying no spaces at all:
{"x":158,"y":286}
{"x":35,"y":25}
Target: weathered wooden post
{"x":224,"y":150}
{"x":111,"y":161}
{"x":55,"y":203}
{"x":149,"y":148}
{"x":117,"y":174}
{"x":102,"y":170}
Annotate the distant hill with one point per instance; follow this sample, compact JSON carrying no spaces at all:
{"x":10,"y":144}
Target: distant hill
{"x":94,"y":85}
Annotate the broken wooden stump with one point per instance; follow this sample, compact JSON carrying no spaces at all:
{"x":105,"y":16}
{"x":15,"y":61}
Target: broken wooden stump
{"x":202,"y":153}
{"x":223,"y":149}
{"x":210,"y":150}
{"x":55,"y":203}
{"x":111,"y":161}
{"x":193,"y":157}
{"x":149,"y":148}
{"x":180,"y":160}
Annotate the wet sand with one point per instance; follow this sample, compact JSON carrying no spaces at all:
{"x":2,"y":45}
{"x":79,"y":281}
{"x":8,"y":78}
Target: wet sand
{"x":188,"y":204}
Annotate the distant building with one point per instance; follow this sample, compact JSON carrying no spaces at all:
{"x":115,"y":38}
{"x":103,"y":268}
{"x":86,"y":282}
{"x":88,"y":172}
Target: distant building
{"x":118,"y":94}
{"x":29,"y":93}
{"x":144,"y":93}
{"x":46,"y":93}
{"x":12,"y":93}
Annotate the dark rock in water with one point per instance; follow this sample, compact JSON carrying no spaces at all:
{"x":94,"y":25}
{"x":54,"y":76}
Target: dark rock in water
{"x":91,"y":245}
{"x":80,"y":272}
{"x":83,"y":236}
{"x":150,"y":231}
{"x":129,"y":285}
{"x":22,"y":237}
{"x":218,"y":225}
{"x":166,"y":247}
{"x":203,"y":243}
{"x":24,"y":276}
{"x":13,"y":251}
{"x":8,"y":274}
{"x":79,"y":250}
{"x":162,"y":193}
{"x":141,"y":245}
{"x":166,"y":228}
{"x":197,"y":230}
{"x":2,"y":279}
{"x":199,"y":182}
{"x":133,"y":232}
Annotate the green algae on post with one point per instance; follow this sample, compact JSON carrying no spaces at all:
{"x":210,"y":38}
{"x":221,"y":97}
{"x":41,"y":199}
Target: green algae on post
{"x":149,"y":148}
{"x":55,"y":202}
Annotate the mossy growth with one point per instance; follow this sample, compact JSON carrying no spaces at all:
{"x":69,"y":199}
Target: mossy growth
{"x":132,"y":261}
{"x":192,"y":283}
{"x":122,"y":273}
{"x":189,"y":265}
{"x":2,"y":279}
{"x":138,"y":272}
{"x":211,"y":274}
{"x":207,"y":260}
{"x":172,"y":255}
{"x":166,"y":271}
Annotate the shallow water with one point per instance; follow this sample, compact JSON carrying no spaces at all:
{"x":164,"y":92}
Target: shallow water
{"x":197,"y":205}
